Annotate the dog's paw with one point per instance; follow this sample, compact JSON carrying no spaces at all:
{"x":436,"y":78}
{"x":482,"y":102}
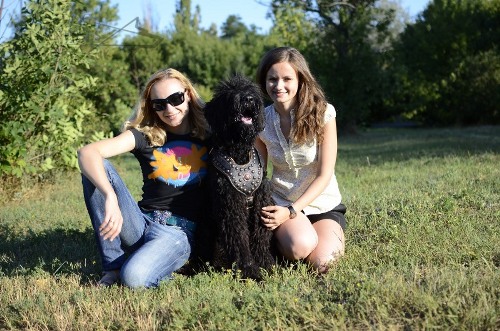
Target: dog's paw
{"x":253,"y":272}
{"x":268,"y":261}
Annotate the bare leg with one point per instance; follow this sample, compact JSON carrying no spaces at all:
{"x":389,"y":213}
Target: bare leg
{"x":331,"y":244}
{"x":296,"y":238}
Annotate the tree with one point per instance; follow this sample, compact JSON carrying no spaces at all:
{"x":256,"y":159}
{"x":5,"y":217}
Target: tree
{"x":451,"y":58}
{"x":292,"y":27}
{"x":113,"y":94}
{"x":347,"y":53}
{"x":206,"y":58}
{"x":145,"y":54}
{"x":41,"y":101}
{"x":473,"y":93}
{"x":232,"y":27}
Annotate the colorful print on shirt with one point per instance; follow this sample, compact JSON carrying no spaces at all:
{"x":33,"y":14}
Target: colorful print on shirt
{"x":179,"y":163}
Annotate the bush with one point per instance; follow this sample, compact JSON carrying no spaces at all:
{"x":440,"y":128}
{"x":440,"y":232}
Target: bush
{"x":41,"y":97}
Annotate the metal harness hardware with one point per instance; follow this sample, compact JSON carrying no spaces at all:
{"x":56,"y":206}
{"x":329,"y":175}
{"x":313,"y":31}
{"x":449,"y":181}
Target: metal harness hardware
{"x":245,"y":178}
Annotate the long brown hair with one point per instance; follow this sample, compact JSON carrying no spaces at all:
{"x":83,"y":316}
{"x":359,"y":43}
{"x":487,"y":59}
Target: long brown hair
{"x":146,"y":120}
{"x":311,"y":101}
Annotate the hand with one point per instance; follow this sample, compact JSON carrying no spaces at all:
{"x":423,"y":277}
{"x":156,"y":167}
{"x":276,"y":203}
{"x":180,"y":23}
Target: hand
{"x":274,"y":216}
{"x":113,"y":220}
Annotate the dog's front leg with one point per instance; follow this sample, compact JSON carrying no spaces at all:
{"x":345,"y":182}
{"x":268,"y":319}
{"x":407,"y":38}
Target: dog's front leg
{"x":262,"y":238}
{"x":231,"y":213}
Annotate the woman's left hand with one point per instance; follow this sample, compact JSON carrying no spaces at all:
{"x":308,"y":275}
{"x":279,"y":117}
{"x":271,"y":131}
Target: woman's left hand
{"x":274,"y":216}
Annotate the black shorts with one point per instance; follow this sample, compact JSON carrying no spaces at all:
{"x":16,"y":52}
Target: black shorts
{"x":337,"y":214}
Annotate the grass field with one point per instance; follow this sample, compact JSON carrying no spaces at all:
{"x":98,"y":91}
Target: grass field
{"x":423,"y":252}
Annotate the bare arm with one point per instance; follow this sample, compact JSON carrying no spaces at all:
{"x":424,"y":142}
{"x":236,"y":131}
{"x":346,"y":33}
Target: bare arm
{"x":90,"y":160}
{"x":273,"y":216}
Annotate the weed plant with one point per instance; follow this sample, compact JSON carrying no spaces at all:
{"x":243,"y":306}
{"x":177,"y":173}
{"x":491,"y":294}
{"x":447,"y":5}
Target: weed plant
{"x":423,"y":252}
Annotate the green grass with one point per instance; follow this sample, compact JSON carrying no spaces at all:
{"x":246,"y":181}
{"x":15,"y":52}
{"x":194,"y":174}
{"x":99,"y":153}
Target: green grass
{"x":423,"y":252}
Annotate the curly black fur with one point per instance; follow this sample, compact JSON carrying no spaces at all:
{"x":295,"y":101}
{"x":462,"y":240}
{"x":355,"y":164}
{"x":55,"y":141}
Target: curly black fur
{"x":234,"y":236}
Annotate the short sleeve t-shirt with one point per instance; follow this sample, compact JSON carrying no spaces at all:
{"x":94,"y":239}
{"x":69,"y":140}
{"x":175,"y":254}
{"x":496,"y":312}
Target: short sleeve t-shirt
{"x":173,"y":174}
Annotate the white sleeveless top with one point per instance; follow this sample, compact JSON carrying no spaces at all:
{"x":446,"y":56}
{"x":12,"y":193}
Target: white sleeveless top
{"x":296,"y":166}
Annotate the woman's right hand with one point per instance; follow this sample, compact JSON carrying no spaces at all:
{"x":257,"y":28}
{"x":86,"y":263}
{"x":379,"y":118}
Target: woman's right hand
{"x":273,"y":216}
{"x":113,"y":219}
{"x":90,"y":160}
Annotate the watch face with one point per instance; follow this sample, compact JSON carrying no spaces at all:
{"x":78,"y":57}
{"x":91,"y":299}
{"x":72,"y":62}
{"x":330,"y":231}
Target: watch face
{"x":292,"y":212}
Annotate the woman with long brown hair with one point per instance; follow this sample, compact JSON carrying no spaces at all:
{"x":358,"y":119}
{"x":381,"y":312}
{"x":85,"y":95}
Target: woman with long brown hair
{"x":300,"y":140}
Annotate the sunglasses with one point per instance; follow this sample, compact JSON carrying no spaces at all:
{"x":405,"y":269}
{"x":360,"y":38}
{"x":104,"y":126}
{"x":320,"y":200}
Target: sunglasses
{"x":174,"y":99}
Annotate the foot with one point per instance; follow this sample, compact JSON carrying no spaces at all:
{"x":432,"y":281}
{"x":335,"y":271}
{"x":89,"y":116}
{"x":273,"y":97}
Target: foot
{"x":109,"y":278}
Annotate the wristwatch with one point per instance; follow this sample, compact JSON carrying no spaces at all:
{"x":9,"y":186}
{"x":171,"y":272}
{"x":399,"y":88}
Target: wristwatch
{"x":293,"y":213}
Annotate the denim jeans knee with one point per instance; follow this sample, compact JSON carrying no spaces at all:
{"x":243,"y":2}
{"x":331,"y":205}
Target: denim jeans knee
{"x":166,"y":249}
{"x":134,"y":224}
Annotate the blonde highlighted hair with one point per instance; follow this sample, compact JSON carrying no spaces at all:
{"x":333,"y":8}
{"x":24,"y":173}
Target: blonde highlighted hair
{"x":311,"y":100}
{"x":145,"y":119}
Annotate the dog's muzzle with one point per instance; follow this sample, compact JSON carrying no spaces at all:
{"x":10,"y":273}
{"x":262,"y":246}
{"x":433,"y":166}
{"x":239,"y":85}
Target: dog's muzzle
{"x":248,"y":104}
{"x":248,"y":101}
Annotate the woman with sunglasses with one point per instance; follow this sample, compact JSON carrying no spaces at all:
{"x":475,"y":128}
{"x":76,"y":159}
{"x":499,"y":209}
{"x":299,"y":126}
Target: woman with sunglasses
{"x":142,"y":243}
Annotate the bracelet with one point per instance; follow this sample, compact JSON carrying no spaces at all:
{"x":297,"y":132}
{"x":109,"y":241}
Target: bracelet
{"x":293,"y":213}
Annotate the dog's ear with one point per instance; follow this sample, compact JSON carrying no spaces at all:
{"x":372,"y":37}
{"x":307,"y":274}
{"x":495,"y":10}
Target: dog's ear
{"x":209,"y":112}
{"x":216,"y":109}
{"x":213,"y":112}
{"x":211,"y":107}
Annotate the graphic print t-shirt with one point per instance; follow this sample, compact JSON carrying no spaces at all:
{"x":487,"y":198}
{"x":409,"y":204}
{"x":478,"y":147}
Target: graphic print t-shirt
{"x":173,"y":174}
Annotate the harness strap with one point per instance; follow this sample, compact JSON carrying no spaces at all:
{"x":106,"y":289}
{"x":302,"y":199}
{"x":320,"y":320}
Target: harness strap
{"x":244,"y":178}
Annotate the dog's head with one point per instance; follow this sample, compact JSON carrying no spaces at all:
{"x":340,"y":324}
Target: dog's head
{"x":235,"y":113}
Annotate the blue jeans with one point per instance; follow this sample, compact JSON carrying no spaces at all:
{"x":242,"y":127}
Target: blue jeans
{"x":145,"y":252}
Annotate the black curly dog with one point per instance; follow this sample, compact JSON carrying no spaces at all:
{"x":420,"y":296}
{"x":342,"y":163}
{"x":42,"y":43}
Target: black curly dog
{"x":238,"y":187}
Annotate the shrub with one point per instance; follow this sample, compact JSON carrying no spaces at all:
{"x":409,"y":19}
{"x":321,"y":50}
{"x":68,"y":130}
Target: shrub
{"x":41,"y":94}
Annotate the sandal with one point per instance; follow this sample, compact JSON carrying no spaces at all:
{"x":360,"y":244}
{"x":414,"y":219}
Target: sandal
{"x":109,"y":278}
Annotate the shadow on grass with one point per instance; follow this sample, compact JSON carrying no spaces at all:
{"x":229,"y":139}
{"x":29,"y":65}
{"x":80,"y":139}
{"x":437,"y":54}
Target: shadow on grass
{"x":55,"y":251}
{"x":386,"y":145}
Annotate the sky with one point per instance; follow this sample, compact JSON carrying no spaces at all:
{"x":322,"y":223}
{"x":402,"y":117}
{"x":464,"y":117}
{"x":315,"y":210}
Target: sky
{"x":212,"y":11}
{"x":217,"y":11}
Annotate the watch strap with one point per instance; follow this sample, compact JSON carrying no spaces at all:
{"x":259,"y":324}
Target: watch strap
{"x":293,"y":213}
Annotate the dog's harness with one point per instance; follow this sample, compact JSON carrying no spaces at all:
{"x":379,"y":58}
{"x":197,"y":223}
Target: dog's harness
{"x":245,"y":178}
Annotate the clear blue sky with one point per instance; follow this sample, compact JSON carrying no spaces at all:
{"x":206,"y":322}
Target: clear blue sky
{"x":212,"y":11}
